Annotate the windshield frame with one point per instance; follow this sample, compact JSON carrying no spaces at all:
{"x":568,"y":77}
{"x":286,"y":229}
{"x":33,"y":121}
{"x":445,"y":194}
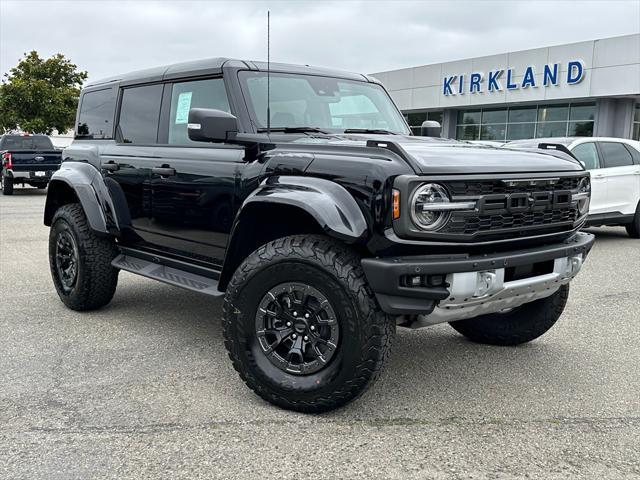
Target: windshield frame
{"x":256,"y":126}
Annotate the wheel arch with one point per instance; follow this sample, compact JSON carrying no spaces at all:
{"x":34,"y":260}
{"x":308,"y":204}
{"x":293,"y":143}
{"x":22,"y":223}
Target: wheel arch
{"x":284,"y":206}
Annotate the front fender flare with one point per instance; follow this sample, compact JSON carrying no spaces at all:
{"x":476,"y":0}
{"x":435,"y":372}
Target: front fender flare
{"x":329,"y":203}
{"x":88,"y":186}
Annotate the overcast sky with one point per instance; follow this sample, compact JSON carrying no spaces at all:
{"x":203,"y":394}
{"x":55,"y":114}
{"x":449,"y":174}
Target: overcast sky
{"x":110,"y":37}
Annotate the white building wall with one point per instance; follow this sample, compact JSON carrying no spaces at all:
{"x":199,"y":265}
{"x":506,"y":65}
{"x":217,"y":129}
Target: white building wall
{"x":612,"y":68}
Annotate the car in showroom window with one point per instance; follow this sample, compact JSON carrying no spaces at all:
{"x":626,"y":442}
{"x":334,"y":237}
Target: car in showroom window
{"x":614,"y":164}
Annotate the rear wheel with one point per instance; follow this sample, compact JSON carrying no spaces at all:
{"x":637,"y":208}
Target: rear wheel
{"x":80,"y":261}
{"x":7,"y":185}
{"x":301,"y":325}
{"x":516,"y":326}
{"x":633,"y":229}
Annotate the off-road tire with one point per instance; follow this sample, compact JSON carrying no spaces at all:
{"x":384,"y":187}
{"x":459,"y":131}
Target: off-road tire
{"x":96,"y":279}
{"x":520,"y":325}
{"x":633,"y":229}
{"x":366,"y":333}
{"x":7,"y":185}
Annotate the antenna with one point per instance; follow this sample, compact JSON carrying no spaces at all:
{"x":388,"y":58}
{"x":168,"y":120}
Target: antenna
{"x":268,"y":73}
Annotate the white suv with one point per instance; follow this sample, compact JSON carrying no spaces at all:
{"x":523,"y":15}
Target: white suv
{"x":614,"y":164}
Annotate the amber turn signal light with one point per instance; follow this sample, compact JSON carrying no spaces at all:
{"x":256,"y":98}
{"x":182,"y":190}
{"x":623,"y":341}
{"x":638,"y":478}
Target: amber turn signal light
{"x":396,"y":204}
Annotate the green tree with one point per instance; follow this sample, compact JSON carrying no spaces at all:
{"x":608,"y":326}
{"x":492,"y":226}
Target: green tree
{"x":40,"y":95}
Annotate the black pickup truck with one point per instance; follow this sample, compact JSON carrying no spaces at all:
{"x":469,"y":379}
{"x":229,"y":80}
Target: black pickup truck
{"x":324,"y":223}
{"x":28,"y":160}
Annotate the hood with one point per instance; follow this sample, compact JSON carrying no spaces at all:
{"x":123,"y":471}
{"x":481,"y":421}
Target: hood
{"x":441,"y":156}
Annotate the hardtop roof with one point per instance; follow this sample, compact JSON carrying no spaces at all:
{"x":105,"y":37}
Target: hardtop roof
{"x":211,"y":66}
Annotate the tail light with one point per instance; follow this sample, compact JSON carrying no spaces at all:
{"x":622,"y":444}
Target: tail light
{"x":6,"y":160}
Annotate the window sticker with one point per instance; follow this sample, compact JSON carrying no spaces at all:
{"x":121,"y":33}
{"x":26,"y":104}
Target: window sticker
{"x":182,"y":110}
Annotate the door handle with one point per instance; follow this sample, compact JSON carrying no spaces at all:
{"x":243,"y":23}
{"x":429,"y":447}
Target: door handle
{"x":164,"y":171}
{"x":598,"y":176}
{"x":110,"y":166}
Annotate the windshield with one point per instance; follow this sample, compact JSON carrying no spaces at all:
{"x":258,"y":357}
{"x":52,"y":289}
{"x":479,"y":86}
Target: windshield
{"x":25,"y":142}
{"x":324,"y":103}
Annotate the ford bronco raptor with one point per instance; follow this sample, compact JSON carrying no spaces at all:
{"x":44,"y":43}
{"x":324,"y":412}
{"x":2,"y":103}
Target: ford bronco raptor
{"x":300,"y":195}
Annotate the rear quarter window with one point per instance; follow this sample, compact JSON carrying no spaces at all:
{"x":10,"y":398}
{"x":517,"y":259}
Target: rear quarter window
{"x":97,"y":110}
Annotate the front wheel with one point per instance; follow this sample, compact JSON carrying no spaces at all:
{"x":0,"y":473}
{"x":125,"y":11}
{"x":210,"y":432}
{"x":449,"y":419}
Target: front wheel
{"x":80,"y":261}
{"x":516,"y":326}
{"x":633,"y":229}
{"x":301,"y":325}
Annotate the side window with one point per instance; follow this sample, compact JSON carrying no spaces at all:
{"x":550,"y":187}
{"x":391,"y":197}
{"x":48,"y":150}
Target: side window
{"x":635,"y":153}
{"x":587,"y":154}
{"x":208,"y":93}
{"x":139,"y":114}
{"x":615,"y":155}
{"x":97,"y":109}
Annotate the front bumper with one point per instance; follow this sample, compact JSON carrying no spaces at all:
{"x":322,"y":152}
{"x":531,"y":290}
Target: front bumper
{"x":473,"y":285}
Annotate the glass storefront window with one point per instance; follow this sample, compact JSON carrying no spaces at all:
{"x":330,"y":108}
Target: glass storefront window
{"x":580,"y":129}
{"x":526,"y":114}
{"x":582,"y":112}
{"x":636,"y":123}
{"x":468,"y":117}
{"x":551,"y":129}
{"x":493,"y":132}
{"x":553,"y":113}
{"x":494,"y":116}
{"x":415,"y":119}
{"x":528,"y":122}
{"x":521,"y":131}
{"x":468,"y":132}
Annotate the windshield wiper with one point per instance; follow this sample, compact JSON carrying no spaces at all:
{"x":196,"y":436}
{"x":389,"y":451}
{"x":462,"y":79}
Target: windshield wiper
{"x":370,"y":130}
{"x":293,"y":130}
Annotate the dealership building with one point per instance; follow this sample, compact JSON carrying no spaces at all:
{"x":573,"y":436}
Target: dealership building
{"x":588,"y":89}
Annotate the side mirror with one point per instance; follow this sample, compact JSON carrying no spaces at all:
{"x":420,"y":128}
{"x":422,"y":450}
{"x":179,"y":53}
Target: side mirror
{"x":209,"y":125}
{"x":430,"y":128}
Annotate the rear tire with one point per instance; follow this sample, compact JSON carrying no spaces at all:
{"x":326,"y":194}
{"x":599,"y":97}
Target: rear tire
{"x":80,"y":261}
{"x":305,"y":287}
{"x":7,"y":185}
{"x":633,"y":229}
{"x":520,"y":325}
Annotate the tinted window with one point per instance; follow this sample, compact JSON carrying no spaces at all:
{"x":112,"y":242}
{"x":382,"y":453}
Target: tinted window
{"x":615,"y":155}
{"x":139,"y":114}
{"x":198,"y":94}
{"x":25,"y":142}
{"x":97,"y":110}
{"x":634,"y":153}
{"x":587,"y":154}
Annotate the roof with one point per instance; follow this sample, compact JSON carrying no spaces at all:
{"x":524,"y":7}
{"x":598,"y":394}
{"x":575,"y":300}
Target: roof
{"x":535,"y":141}
{"x":214,"y":65}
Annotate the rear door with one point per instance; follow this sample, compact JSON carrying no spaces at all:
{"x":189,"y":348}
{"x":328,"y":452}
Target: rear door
{"x":127,"y":163}
{"x":193,"y":183}
{"x":619,"y":170}
{"x":587,"y":153}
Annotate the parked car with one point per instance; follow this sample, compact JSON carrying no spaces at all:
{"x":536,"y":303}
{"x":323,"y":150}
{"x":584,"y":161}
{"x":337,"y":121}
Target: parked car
{"x":324,"y":223}
{"x":614,"y":164}
{"x":27,"y":160}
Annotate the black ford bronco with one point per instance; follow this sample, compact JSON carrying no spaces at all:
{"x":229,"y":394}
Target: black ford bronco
{"x":301,"y":196}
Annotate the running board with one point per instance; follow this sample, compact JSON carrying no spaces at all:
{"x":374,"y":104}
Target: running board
{"x":166,"y":274}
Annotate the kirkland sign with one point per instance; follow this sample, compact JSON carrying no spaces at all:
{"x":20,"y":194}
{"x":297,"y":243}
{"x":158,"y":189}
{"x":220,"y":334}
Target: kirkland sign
{"x":497,"y":80}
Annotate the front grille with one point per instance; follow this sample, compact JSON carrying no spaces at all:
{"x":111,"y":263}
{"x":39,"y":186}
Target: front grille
{"x":470,"y":224}
{"x":504,"y":223}
{"x":487,"y":187}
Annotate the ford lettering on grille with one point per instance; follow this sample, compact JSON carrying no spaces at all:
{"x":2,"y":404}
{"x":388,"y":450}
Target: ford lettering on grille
{"x":524,"y":202}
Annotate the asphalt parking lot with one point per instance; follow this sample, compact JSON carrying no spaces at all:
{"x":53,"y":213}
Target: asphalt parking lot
{"x":144,"y":388}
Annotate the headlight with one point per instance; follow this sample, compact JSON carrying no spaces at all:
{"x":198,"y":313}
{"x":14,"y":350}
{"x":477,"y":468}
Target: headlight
{"x":583,"y":196}
{"x":424,"y":206}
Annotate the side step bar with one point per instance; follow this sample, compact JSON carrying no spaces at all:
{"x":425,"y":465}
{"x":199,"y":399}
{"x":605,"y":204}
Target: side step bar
{"x":166,"y":274}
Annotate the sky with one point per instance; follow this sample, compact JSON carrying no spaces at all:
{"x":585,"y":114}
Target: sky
{"x":109,"y":37}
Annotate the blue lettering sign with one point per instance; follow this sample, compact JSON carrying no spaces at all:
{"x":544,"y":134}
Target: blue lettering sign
{"x":474,"y":82}
{"x":493,"y":80}
{"x":529,"y":79}
{"x":447,"y":85}
{"x":550,"y":76}
{"x":461,"y":85}
{"x":510,"y":84}
{"x":575,"y":72}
